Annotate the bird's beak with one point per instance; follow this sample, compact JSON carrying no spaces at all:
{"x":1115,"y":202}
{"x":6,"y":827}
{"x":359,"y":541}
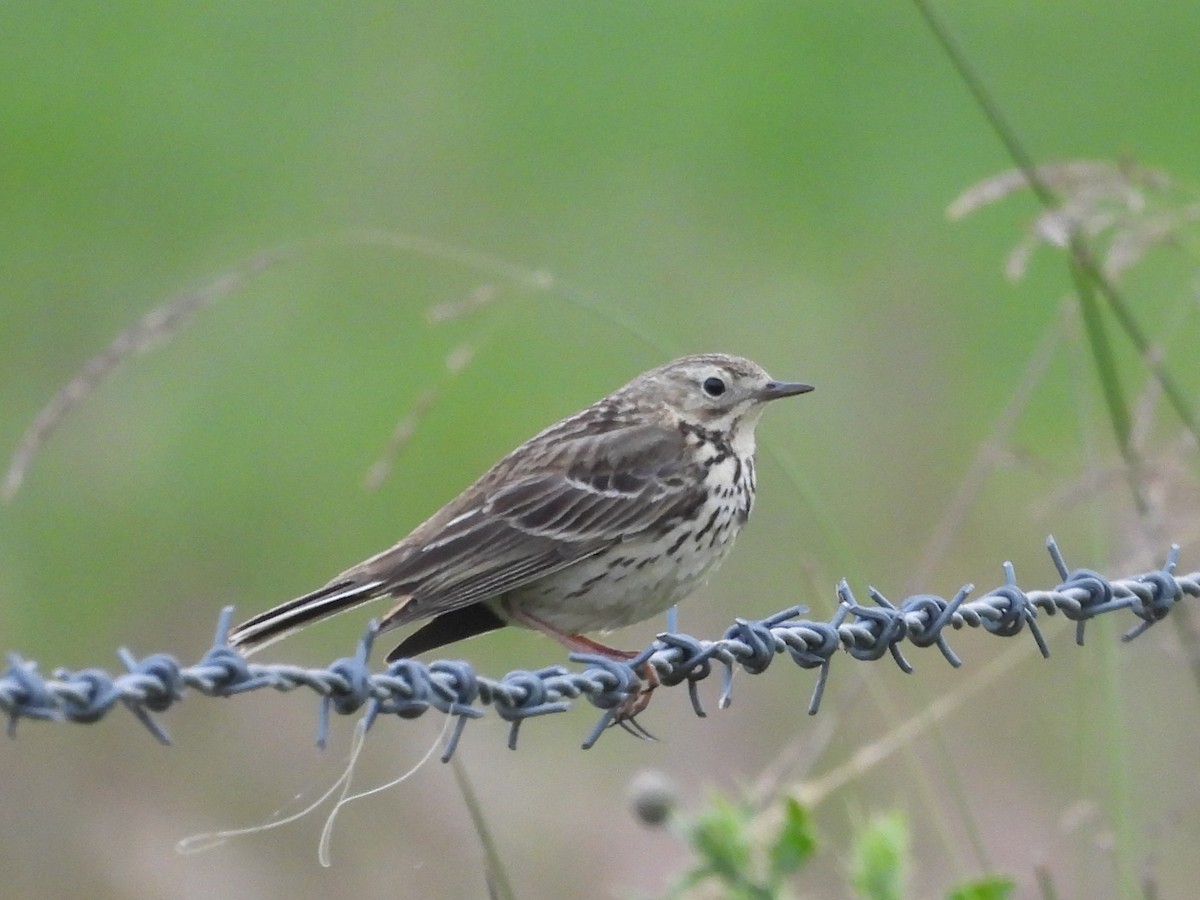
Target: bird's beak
{"x":773,"y":390}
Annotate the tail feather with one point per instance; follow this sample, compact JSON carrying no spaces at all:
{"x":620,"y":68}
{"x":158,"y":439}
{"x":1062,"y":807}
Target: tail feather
{"x":447,"y":628}
{"x":275,"y":624}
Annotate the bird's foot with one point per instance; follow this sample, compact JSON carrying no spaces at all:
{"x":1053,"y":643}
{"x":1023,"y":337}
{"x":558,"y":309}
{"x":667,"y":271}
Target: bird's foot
{"x":639,"y":698}
{"x":637,"y":701}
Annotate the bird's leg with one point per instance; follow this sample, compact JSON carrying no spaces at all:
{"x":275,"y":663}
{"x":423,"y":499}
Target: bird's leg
{"x":578,"y":643}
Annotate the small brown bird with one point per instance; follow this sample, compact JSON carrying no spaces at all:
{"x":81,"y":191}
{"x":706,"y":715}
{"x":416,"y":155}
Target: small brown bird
{"x":604,"y":519}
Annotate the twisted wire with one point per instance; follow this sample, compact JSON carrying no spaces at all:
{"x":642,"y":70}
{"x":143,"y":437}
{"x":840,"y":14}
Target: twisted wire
{"x":408,"y":688}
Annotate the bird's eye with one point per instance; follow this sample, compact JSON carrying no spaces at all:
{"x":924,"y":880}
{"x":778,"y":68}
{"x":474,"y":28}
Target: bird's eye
{"x":713,"y":386}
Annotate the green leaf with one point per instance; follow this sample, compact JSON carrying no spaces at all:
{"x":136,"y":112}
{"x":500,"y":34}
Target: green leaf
{"x":720,"y":836}
{"x":879,"y":857}
{"x":993,"y":887}
{"x":796,"y":841}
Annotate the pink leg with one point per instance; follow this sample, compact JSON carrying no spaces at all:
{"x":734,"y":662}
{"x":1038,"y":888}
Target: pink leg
{"x":576,"y":643}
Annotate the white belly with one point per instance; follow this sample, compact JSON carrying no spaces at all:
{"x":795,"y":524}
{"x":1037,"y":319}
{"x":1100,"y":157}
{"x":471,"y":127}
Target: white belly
{"x":641,"y":577}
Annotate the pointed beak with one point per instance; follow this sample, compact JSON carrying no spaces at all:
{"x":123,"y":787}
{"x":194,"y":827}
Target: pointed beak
{"x":773,"y":390}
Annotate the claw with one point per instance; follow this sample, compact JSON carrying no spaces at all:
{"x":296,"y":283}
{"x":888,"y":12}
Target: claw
{"x":634,"y":727}
{"x":627,"y":715}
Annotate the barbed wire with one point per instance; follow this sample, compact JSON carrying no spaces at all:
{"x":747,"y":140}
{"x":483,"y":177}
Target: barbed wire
{"x":408,"y":688}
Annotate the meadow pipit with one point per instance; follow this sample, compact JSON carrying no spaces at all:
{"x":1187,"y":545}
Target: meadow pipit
{"x":606,"y":518}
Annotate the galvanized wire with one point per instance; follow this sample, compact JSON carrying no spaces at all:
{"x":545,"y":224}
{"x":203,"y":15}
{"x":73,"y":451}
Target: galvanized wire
{"x":408,"y":688}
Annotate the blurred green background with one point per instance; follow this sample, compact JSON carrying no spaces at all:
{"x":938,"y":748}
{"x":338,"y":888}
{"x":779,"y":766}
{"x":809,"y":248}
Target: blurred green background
{"x":633,"y":181}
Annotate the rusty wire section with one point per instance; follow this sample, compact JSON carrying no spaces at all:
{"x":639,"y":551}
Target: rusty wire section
{"x":408,"y":688}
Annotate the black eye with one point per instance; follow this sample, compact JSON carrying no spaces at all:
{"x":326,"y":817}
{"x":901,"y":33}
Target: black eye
{"x":713,"y":386}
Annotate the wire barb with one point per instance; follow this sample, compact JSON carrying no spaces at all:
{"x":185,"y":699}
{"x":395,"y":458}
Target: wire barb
{"x":408,"y":688}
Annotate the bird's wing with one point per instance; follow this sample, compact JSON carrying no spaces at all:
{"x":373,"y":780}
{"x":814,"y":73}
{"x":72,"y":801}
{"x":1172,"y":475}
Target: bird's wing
{"x":569,"y":493}
{"x":517,"y":525}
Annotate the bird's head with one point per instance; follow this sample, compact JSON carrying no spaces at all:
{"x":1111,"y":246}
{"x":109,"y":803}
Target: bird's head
{"x":714,"y":391}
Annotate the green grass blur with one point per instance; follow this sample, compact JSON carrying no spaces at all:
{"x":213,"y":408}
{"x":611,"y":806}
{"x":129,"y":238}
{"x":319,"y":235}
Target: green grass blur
{"x":766,"y":179}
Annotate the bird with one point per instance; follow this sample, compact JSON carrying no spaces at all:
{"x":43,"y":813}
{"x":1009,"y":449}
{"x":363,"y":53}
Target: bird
{"x":604,"y":519}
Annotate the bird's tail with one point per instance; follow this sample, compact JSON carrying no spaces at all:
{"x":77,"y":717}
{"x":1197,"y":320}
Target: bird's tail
{"x":275,"y":624}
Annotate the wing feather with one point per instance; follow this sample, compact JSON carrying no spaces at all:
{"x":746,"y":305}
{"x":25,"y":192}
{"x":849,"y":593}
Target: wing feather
{"x":599,"y":490}
{"x":572,"y":491}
